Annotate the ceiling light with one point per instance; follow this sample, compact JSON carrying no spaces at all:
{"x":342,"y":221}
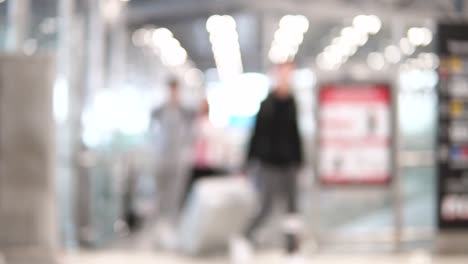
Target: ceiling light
{"x":302,"y":23}
{"x":294,"y":23}
{"x":429,"y":60}
{"x":416,"y":36}
{"x":375,"y":24}
{"x":367,"y":24}
{"x":175,"y":56}
{"x":376,"y":61}
{"x":351,"y":36}
{"x":288,"y":37}
{"x":392,"y":54}
{"x":406,"y":47}
{"x":213,"y":22}
{"x":326,"y":61}
{"x":141,"y":37}
{"x":427,"y":36}
{"x":360,"y":23}
{"x":162,"y":34}
{"x":278,"y":55}
{"x":225,"y":45}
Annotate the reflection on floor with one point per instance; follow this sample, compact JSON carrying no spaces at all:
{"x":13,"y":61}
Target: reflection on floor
{"x":122,"y":257}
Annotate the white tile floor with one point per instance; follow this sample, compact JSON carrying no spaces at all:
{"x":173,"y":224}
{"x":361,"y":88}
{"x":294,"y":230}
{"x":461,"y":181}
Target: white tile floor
{"x":122,"y":257}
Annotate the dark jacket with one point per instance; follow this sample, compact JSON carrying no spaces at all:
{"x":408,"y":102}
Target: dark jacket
{"x":275,"y":139}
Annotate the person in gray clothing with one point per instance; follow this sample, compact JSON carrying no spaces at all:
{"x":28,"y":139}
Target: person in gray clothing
{"x":171,"y":126}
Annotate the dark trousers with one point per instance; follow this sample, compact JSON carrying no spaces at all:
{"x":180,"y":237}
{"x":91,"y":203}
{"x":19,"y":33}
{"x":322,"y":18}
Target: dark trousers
{"x":274,"y":184}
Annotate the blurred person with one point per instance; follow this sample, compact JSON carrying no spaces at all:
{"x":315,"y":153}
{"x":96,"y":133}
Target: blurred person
{"x":276,"y":150}
{"x":210,"y":153}
{"x":172,"y":125}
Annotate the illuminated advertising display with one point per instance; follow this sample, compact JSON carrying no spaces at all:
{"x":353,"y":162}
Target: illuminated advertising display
{"x":452,"y":139}
{"x":355,"y":134}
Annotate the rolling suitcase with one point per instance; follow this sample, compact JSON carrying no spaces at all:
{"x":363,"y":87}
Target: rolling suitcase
{"x":218,"y":209}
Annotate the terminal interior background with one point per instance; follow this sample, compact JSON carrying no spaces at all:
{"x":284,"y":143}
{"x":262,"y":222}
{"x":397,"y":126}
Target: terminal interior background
{"x":107,"y":74}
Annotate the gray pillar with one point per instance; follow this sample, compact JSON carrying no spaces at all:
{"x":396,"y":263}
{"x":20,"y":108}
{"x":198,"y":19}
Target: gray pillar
{"x":96,"y":47}
{"x":398,"y":31}
{"x":27,"y":199}
{"x":118,"y":47}
{"x":19,"y":15}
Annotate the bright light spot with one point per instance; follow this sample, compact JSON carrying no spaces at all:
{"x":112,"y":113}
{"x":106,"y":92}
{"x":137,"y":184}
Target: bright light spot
{"x":194,"y":77}
{"x":302,"y":23}
{"x":225,"y":45}
{"x":60,"y":100}
{"x":415,"y":36}
{"x":161,"y":35}
{"x":429,"y":60}
{"x":123,"y":110}
{"x":294,"y":23}
{"x":288,"y":38}
{"x":415,"y":63}
{"x":2,"y":1}
{"x":224,"y":97}
{"x":304,"y":78}
{"x":230,"y":22}
{"x":392,"y":54}
{"x":375,"y":24}
{"x":212,"y":22}
{"x":329,"y":61}
{"x":376,"y":61}
{"x":427,"y":36}
{"x":361,"y":23}
{"x":111,"y":10}
{"x":165,"y":45}
{"x":350,"y":36}
{"x":363,"y":39}
{"x":278,"y":54}
{"x":406,"y":47}
{"x":420,"y":36}
{"x":336,"y":40}
{"x":141,"y":37}
{"x":218,"y":24}
{"x":367,"y":24}
{"x":287,"y":22}
{"x":174,"y":56}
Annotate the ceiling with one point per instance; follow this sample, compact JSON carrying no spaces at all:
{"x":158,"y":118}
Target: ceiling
{"x":257,"y":21}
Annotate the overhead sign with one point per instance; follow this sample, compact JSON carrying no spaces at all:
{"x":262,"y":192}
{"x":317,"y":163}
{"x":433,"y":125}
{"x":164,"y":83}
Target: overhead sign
{"x":355,"y":134}
{"x":452,"y":137}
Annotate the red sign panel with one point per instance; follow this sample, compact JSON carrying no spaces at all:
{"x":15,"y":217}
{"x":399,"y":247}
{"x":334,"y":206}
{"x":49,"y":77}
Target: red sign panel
{"x":354,"y":134}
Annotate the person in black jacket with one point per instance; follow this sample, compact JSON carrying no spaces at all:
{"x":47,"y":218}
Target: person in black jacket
{"x":276,"y":148}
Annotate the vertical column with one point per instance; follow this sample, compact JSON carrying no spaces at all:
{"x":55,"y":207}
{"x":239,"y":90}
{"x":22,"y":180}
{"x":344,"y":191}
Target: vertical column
{"x":19,"y":14}
{"x":66,"y":104}
{"x":96,"y":46}
{"x":27,"y":200}
{"x":95,"y":40}
{"x":397,"y":192}
{"x":118,"y":47}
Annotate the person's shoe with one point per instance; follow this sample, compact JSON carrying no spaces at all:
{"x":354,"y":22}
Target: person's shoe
{"x":293,"y":228}
{"x":240,"y":251}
